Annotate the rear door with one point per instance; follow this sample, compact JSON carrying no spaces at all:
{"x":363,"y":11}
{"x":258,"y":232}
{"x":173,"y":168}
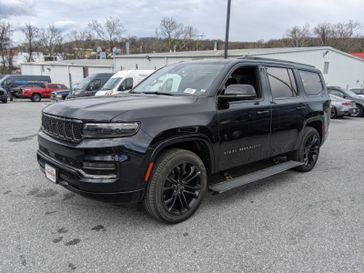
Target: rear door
{"x":288,"y":109}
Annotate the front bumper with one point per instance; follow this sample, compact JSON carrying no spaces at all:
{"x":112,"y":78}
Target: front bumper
{"x":124,"y":185}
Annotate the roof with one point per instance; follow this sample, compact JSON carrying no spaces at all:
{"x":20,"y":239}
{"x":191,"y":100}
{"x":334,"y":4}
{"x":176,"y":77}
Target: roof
{"x":358,"y":54}
{"x":77,"y":62}
{"x":235,"y":52}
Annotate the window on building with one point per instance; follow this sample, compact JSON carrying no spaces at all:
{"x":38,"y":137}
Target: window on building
{"x":282,"y":82}
{"x":311,"y":82}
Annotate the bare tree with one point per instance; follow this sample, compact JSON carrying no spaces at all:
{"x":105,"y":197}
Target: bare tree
{"x":80,"y":41}
{"x":31,"y":34}
{"x":347,"y":30}
{"x":51,"y":39}
{"x":324,"y":32}
{"x":5,"y":44}
{"x":110,"y":30}
{"x":169,"y":29}
{"x":298,"y":35}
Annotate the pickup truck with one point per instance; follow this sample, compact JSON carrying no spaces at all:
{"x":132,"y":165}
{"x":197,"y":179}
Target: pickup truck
{"x":161,"y":144}
{"x":43,"y":90}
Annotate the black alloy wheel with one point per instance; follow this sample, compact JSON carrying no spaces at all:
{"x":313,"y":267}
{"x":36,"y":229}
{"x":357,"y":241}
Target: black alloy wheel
{"x":176,"y":186}
{"x":308,"y":151}
{"x":311,"y":151}
{"x":181,"y":189}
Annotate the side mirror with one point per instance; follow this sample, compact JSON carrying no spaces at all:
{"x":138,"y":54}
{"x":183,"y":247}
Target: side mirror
{"x":236,"y":92}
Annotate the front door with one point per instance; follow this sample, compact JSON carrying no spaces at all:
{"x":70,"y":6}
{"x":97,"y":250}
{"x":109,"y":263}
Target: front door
{"x":244,"y":126}
{"x":288,"y":109}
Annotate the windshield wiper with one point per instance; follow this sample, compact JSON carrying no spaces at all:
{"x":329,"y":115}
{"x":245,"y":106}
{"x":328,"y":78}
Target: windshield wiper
{"x":157,"y":93}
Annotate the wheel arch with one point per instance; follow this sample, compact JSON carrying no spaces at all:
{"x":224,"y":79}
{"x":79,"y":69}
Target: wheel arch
{"x":196,"y":144}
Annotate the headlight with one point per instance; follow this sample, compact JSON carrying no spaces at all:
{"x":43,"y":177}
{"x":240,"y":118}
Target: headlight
{"x":107,"y":130}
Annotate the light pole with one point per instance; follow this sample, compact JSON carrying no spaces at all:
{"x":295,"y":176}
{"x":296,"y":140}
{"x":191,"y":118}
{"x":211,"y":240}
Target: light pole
{"x":227,"y":30}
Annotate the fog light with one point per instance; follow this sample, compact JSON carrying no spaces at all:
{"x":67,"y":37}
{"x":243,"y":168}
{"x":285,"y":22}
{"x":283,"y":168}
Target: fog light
{"x":98,"y":166}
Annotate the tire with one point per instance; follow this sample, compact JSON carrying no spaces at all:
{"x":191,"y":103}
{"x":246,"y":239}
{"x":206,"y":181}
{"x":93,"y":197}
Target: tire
{"x":5,"y":100}
{"x":169,"y":197}
{"x":333,"y":113}
{"x":36,"y":98}
{"x":308,"y":151}
{"x":360,"y":111}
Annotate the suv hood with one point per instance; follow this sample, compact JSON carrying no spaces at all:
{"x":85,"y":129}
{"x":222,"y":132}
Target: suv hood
{"x":105,"y":108}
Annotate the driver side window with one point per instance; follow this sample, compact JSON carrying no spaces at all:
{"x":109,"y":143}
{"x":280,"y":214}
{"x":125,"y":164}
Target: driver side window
{"x":246,"y":75}
{"x":127,"y":84}
{"x":94,"y":85}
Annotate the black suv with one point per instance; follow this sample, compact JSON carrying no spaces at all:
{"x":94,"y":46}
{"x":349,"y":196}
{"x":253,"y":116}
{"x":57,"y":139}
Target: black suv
{"x":161,"y":143}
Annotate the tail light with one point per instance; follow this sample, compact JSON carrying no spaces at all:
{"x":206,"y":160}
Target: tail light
{"x":345,"y":104}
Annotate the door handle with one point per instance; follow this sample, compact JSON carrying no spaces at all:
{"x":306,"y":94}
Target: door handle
{"x":301,"y":107}
{"x":262,"y":112}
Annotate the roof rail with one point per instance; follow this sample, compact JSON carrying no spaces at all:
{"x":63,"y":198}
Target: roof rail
{"x":273,"y":60}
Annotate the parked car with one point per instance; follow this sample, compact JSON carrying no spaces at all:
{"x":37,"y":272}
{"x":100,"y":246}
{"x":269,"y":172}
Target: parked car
{"x":3,"y":95}
{"x":342,"y":107}
{"x":350,"y":95}
{"x":123,"y":81}
{"x":161,"y":147}
{"x":39,"y":92}
{"x":12,"y":81}
{"x":90,"y":85}
{"x":358,"y":91}
{"x":59,"y":95}
{"x":16,"y":92}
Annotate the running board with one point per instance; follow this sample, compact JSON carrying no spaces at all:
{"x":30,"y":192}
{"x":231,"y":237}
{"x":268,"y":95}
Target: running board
{"x":254,"y":176}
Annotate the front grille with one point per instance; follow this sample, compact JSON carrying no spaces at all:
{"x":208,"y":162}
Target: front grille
{"x":62,"y":128}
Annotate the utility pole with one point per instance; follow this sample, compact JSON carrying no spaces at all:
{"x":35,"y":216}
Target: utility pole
{"x":227,"y":30}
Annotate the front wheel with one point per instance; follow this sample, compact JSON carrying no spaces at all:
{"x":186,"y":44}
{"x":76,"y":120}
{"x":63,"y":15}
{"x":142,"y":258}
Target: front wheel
{"x":176,"y":187}
{"x":333,"y":113}
{"x":308,"y":151}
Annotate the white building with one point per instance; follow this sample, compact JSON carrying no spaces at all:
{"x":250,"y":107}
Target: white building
{"x":68,"y":72}
{"x":338,"y":68}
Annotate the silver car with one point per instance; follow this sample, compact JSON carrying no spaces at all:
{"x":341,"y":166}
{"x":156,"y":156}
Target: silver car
{"x":342,"y":107}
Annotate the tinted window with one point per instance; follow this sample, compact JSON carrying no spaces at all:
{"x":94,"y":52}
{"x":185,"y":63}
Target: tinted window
{"x":311,"y":82}
{"x":282,"y":82}
{"x":53,"y":86}
{"x":94,"y":85}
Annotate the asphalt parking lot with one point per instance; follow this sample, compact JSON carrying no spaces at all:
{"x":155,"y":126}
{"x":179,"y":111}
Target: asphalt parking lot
{"x":293,"y":222}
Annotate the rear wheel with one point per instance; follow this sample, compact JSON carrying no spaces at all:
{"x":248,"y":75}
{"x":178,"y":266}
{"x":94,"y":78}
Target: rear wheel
{"x":359,"y":112}
{"x":36,"y":98}
{"x":176,"y":187}
{"x":308,"y":151}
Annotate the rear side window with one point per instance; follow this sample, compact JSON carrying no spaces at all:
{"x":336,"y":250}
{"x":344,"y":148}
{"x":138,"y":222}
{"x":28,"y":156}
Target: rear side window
{"x":53,"y":86}
{"x":282,"y":82}
{"x":311,"y":82}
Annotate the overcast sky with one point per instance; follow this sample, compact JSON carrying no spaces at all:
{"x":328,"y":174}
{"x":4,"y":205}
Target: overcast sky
{"x":251,"y":20}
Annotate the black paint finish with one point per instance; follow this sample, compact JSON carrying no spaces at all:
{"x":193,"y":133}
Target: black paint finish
{"x":227,"y":136}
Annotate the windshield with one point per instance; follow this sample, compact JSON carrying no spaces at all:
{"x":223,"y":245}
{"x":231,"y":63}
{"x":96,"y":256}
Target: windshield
{"x":111,"y":83}
{"x":181,"y":79}
{"x":82,"y":86}
{"x":2,"y":80}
